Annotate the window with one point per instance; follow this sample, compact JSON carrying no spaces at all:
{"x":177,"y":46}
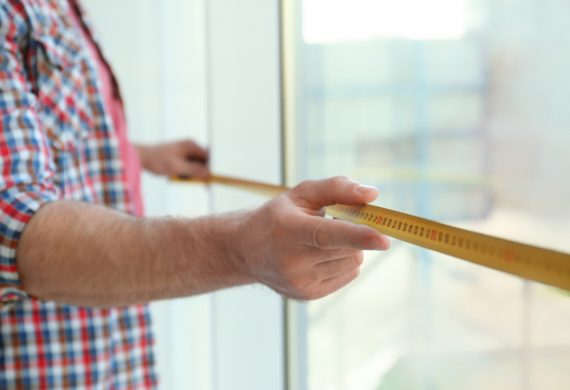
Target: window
{"x":456,"y":110}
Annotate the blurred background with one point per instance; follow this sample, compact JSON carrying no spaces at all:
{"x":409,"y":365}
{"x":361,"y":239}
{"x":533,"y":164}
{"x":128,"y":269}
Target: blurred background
{"x":455,"y":109}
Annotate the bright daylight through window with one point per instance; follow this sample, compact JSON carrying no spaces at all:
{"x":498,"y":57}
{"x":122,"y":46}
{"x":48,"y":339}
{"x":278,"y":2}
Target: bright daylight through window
{"x":457,"y":111}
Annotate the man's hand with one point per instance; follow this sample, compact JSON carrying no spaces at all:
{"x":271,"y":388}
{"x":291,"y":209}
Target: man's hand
{"x":289,"y":246}
{"x":89,"y":255}
{"x":180,"y":158}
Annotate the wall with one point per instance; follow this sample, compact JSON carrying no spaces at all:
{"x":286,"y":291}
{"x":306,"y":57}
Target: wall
{"x":206,"y":70}
{"x":245,"y":138}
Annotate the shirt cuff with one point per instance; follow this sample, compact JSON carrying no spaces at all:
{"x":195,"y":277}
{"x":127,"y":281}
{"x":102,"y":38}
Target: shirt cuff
{"x":18,"y":205}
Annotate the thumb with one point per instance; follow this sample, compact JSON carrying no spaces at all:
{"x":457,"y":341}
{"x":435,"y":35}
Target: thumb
{"x":186,"y":168}
{"x":316,"y":194}
{"x":194,"y":151}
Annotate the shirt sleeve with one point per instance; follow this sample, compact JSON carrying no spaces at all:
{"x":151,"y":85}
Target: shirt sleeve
{"x":26,"y":164}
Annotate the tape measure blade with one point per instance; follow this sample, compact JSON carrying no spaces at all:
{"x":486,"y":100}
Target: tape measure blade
{"x":533,"y":263}
{"x":249,"y":185}
{"x":530,"y":262}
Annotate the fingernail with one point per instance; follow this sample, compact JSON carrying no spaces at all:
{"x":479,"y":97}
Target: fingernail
{"x":364,"y":189}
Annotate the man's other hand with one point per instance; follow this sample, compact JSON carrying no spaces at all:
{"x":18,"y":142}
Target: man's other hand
{"x":183,"y":158}
{"x":289,"y":246}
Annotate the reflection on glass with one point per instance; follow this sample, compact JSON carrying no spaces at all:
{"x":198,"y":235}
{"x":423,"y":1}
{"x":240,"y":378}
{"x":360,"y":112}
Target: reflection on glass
{"x":457,"y":111}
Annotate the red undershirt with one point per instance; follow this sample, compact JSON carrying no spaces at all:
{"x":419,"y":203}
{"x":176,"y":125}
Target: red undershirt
{"x":114,"y":107}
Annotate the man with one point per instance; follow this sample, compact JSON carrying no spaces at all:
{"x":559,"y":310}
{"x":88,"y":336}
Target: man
{"x":78,"y":263}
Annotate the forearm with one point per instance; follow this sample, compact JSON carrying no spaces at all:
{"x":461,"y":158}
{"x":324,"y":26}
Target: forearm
{"x":92,"y":256}
{"x":89,"y":255}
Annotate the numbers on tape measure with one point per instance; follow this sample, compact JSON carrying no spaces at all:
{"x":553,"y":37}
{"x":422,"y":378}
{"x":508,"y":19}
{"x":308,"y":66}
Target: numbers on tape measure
{"x":471,"y":244}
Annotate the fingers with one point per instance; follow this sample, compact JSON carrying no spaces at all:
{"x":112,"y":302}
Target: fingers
{"x":331,"y":234}
{"x":337,"y":268}
{"x":193,"y":151}
{"x":188,"y":168}
{"x":189,"y":160}
{"x":309,"y":256}
{"x":323,"y":278}
{"x":337,"y":190}
{"x":333,"y":284}
{"x":328,"y":286}
{"x":325,"y":255}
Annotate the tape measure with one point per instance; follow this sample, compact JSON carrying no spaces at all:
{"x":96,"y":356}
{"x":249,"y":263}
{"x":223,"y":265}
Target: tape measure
{"x":530,"y":262}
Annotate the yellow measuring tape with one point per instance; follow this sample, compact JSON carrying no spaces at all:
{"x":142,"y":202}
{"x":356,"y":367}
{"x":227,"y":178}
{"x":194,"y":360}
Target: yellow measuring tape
{"x":527,"y":261}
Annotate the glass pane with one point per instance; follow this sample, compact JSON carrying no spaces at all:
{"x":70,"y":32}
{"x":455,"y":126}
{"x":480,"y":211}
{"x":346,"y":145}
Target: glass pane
{"x":457,"y":111}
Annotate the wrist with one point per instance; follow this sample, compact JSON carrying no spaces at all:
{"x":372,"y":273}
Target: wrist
{"x":238,"y":241}
{"x":145,"y":156}
{"x":224,"y":234}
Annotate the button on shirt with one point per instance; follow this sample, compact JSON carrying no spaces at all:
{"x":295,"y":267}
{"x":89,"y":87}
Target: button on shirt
{"x":59,"y":140}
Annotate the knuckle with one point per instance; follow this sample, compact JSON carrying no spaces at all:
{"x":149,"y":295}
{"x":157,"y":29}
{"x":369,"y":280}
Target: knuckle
{"x":171,"y":165}
{"x":312,"y":294}
{"x":273,"y":216}
{"x":358,"y":259}
{"x":303,"y":286}
{"x":320,"y":236}
{"x":184,"y":144}
{"x":360,"y":236}
{"x":338,"y":181}
{"x":300,"y":286}
{"x":296,"y":285}
{"x":302,"y":187}
{"x":354,"y":274}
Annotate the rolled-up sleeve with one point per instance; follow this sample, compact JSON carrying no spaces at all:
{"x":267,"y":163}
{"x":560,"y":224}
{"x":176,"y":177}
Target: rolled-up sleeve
{"x":26,"y":166}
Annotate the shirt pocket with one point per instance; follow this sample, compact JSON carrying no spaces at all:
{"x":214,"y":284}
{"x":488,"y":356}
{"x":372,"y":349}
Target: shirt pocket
{"x":64,"y":85}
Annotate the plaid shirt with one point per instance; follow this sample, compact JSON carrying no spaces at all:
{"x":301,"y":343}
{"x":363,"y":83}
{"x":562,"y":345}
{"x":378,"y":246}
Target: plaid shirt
{"x":57,"y":142}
